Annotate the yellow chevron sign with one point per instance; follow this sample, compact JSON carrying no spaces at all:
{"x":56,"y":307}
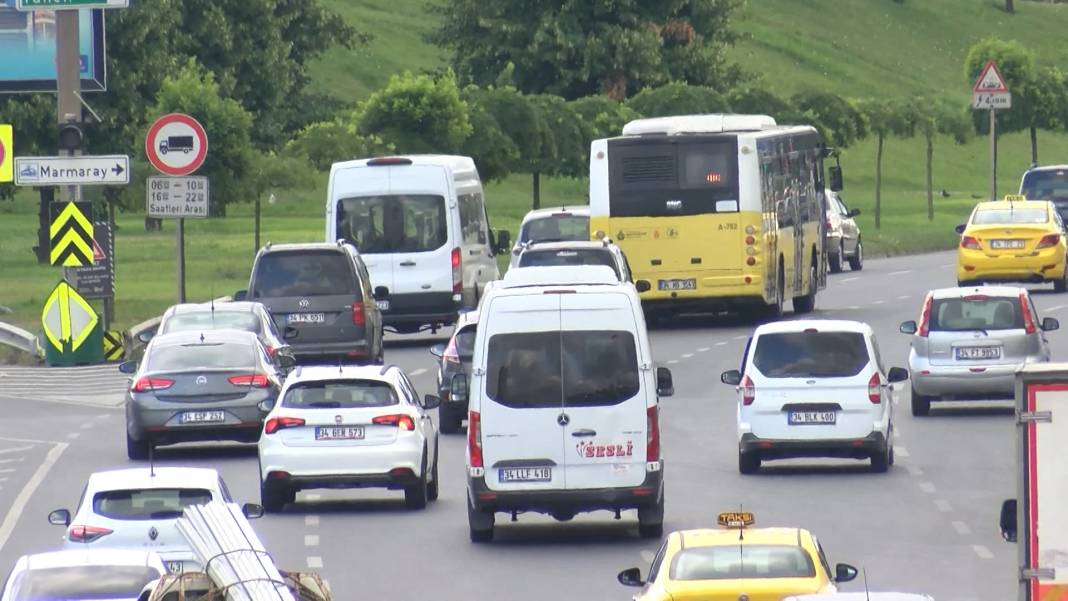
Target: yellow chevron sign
{"x":113,"y":348}
{"x":67,"y":317}
{"x":71,"y":234}
{"x":7,"y":153}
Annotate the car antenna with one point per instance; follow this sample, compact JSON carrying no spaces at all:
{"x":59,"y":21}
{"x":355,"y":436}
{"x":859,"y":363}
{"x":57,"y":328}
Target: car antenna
{"x":867,"y":594}
{"x":212,"y":291}
{"x":151,"y":460}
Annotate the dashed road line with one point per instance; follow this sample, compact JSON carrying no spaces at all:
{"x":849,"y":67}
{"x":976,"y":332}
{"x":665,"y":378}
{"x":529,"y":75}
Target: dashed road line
{"x":673,"y":361}
{"x":853,"y":307}
{"x":11,"y":460}
{"x":877,"y":302}
{"x":687,"y":355}
{"x":721,"y":343}
{"x":7,"y":470}
{"x":1056,"y":307}
{"x":927,"y":487}
{"x":982,"y":552}
{"x":73,"y":435}
{"x":742,"y":337}
{"x":943,"y":505}
{"x":311,"y":520}
{"x":417,"y":372}
{"x":914,"y":470}
{"x":315,"y":562}
{"x":311,"y":540}
{"x":14,"y":450}
{"x":19,"y":505}
{"x":87,"y":425}
{"x":703,"y":349}
{"x":902,"y":272}
{"x":849,"y":280}
{"x":904,"y":297}
{"x":961,"y":528}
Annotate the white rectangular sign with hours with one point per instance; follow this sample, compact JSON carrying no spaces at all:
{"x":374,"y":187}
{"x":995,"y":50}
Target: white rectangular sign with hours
{"x":177,"y":197}
{"x":72,"y":171}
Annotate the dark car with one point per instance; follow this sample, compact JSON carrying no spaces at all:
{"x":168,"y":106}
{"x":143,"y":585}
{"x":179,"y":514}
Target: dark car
{"x":196,"y":386}
{"x":247,"y":316}
{"x":319,"y":295}
{"x":455,"y":359}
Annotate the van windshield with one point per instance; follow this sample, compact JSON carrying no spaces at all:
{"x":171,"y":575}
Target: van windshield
{"x":393,"y":223}
{"x":577,"y":368}
{"x":810,"y":354}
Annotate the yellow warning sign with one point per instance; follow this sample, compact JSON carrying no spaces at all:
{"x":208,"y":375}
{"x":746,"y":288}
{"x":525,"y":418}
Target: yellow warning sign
{"x":7,"y":153}
{"x":71,"y":234}
{"x":67,"y":317}
{"x":113,"y":348}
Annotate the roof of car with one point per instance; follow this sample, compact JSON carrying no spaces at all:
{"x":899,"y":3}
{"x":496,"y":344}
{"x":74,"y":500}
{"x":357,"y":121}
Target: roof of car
{"x":800,"y":325}
{"x":1007,"y":291}
{"x":466,"y":318}
{"x":991,"y":205}
{"x":222,"y":306}
{"x":559,"y":275}
{"x":315,"y":373}
{"x":570,"y":245}
{"x":1048,"y":168}
{"x":194,"y":336}
{"x":861,"y":596}
{"x":270,"y":247}
{"x":578,"y":210}
{"x":156,"y":477}
{"x":95,"y":557}
{"x":715,"y":537}
{"x":455,"y":162}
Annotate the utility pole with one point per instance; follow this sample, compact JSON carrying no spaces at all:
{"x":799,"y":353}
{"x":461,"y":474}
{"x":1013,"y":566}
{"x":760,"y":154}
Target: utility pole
{"x":68,"y":82}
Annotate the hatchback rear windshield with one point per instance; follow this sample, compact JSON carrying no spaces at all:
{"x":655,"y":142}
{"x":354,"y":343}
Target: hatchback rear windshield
{"x":340,"y":394}
{"x":546,"y":369}
{"x":810,"y":354}
{"x":975,"y":313}
{"x":212,"y":320}
{"x":82,"y":582}
{"x":1015,"y":215}
{"x":149,"y":503}
{"x":556,"y":228}
{"x":209,"y":355}
{"x":303,"y":273}
{"x":394,"y":223}
{"x":580,"y":256}
{"x":742,"y":561}
{"x":465,"y":342}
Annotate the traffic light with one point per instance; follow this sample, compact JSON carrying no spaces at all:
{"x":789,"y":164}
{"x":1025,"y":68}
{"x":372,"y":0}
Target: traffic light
{"x":71,"y":136}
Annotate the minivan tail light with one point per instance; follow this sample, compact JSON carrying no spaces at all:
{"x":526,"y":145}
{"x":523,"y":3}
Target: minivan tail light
{"x":1049,"y":240}
{"x":359,"y":318}
{"x":457,"y":272}
{"x":253,"y":380}
{"x":400,"y":420}
{"x":1025,"y":310}
{"x":969,"y":242}
{"x":86,"y":534}
{"x":280,"y":423}
{"x":748,"y":391}
{"x":925,"y":317}
{"x":652,"y":435}
{"x":875,"y":389}
{"x":147,"y":384}
{"x":474,"y":439}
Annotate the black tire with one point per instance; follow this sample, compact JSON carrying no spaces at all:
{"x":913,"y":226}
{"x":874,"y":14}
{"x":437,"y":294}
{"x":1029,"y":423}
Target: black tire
{"x":415,"y":495}
{"x":432,"y":488}
{"x":138,"y":450}
{"x":1061,"y":285}
{"x":748,"y":463}
{"x":651,"y":520}
{"x":856,"y":262}
{"x":272,"y":497}
{"x":807,"y":303}
{"x":480,"y":524}
{"x":921,"y":405}
{"x":882,"y":460}
{"x":449,"y":419}
{"x":774,"y":312}
{"x":834,"y":261}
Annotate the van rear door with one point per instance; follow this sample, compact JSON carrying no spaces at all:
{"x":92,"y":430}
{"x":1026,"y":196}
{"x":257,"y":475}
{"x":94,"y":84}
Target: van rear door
{"x":605,"y":396}
{"x":522,"y":440}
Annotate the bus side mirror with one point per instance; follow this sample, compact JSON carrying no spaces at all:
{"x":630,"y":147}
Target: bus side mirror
{"x":835,"y":174}
{"x":1008,"y":520}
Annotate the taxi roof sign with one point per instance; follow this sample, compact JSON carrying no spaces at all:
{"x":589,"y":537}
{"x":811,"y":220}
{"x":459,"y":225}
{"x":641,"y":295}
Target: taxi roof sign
{"x":736,"y":519}
{"x":1015,"y":198}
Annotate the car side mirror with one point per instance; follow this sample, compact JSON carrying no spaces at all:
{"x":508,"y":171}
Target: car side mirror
{"x":145,"y":336}
{"x":128,"y":367}
{"x":844,"y":572}
{"x":664,"y":384}
{"x":458,"y":387}
{"x":897,"y":374}
{"x":59,"y":517}
{"x":1050,"y":323}
{"x":252,"y":511}
{"x":835,"y":175}
{"x":853,"y":213}
{"x":907,"y":327}
{"x":438,"y":349}
{"x":266,"y":405}
{"x":504,"y":242}
{"x":960,"y":228}
{"x":285,"y":360}
{"x":431,"y":401}
{"x":631,"y":577}
{"x":1007,"y":520}
{"x":290,"y":332}
{"x":381,"y":293}
{"x":643,"y":286}
{"x":241,"y":295}
{"x":731,"y":377}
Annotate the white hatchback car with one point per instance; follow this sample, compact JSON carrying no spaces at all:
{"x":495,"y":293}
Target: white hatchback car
{"x":349,"y":427}
{"x":814,"y":388}
{"x":76,"y":575}
{"x":139,"y":508}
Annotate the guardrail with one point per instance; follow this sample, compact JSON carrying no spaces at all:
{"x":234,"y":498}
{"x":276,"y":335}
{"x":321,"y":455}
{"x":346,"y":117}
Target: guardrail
{"x":18,"y":338}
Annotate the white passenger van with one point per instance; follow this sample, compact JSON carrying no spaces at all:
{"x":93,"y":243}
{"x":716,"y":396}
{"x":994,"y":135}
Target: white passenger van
{"x":563,"y":408}
{"x":421,"y":226}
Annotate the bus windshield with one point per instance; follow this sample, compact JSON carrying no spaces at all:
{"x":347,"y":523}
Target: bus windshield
{"x":673,"y":177}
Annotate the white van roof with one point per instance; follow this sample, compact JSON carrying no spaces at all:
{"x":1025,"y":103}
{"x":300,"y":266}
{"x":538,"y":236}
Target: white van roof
{"x":559,"y":275}
{"x":698,"y":124}
{"x":457,"y":164}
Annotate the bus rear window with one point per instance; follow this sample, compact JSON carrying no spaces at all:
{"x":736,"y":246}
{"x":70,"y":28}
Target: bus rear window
{"x":672,"y":177}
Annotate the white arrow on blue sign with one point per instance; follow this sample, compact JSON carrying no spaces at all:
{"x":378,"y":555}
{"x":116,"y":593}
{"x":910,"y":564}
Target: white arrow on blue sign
{"x":72,"y":171}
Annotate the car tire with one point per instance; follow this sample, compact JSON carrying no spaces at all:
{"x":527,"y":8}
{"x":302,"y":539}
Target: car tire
{"x":138,"y":450}
{"x":856,"y":262}
{"x":480,"y":524}
{"x":415,"y":495}
{"x":882,"y":460}
{"x":774,"y":311}
{"x":807,"y":303}
{"x":835,"y":260}
{"x":432,"y":488}
{"x":921,"y":405}
{"x":651,"y":520}
{"x":272,"y":497}
{"x":1061,"y":285}
{"x":449,"y":419}
{"x":748,"y":463}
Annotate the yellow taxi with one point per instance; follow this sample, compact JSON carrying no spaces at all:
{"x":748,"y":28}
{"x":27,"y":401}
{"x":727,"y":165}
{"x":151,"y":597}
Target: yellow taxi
{"x":1013,"y":240}
{"x":737,"y":563}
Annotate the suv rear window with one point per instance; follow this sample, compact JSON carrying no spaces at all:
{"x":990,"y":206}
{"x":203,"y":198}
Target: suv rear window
{"x":340,"y":394}
{"x":212,"y":320}
{"x":744,"y":561}
{"x":568,"y":256}
{"x":556,"y":228}
{"x":810,"y":354}
{"x":578,"y":368}
{"x":394,"y":223}
{"x":148,"y":503}
{"x":303,"y":273}
{"x":975,"y":313}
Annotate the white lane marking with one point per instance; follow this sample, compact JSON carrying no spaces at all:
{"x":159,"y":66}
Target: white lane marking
{"x":982,"y":552}
{"x":897,"y":432}
{"x":961,"y":528}
{"x":673,"y":361}
{"x":687,"y":355}
{"x":647,"y":555}
{"x":103,"y":415}
{"x":14,"y":450}
{"x":927,"y":487}
{"x":16,"y":509}
{"x":315,"y":562}
{"x":944,"y":265}
{"x":87,"y":425}
{"x":914,"y":470}
{"x":849,"y":280}
{"x":3,"y":479}
{"x":742,"y":337}
{"x":418,"y":372}
{"x":7,"y":470}
{"x":311,"y":520}
{"x":943,"y":505}
{"x":1056,"y":308}
{"x":703,"y":349}
{"x":313,"y":496}
{"x":721,"y":343}
{"x":878,"y":302}
{"x":902,"y":272}
{"x":73,"y":435}
{"x":901,"y":451}
{"x":311,"y":540}
{"x":904,"y":297}
{"x":853,"y":307}
{"x":11,"y":460}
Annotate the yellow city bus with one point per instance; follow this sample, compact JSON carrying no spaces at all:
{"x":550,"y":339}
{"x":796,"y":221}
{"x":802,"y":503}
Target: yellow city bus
{"x":715,"y":212}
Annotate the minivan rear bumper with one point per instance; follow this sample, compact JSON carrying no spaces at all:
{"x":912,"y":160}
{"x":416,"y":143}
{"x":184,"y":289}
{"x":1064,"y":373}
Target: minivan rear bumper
{"x":568,"y":502}
{"x":421,"y":308}
{"x":856,"y":448}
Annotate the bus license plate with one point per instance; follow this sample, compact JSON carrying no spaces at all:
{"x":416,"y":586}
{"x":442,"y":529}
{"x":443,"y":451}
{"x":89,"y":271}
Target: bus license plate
{"x":979,"y":352}
{"x":690,"y":284}
{"x":800,"y":418}
{"x":525,"y":474}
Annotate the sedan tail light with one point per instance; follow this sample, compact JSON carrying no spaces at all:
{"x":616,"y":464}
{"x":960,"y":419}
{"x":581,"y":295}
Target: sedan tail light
{"x":253,"y":380}
{"x":1049,"y":240}
{"x":279,"y":423}
{"x":875,"y":389}
{"x":400,"y":420}
{"x":748,"y":391}
{"x":86,"y":534}
{"x":474,"y":439}
{"x":146,"y":384}
{"x":969,"y":242}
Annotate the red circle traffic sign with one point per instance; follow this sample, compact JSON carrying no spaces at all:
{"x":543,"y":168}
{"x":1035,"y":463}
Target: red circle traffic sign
{"x":176,"y":144}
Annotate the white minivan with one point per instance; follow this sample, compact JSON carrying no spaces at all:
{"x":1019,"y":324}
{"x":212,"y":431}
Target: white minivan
{"x":563,"y":401}
{"x":421,"y":226}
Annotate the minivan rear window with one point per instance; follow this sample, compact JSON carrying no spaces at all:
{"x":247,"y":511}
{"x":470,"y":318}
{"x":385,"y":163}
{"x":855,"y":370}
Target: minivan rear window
{"x":977,"y":312}
{"x":340,"y":394}
{"x":303,"y":273}
{"x":393,"y":223}
{"x":810,"y":354}
{"x":148,"y":503}
{"x":578,"y":368}
{"x":568,"y":256}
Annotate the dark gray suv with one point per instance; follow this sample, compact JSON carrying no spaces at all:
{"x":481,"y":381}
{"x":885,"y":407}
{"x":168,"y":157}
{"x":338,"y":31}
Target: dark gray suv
{"x":320,"y":296}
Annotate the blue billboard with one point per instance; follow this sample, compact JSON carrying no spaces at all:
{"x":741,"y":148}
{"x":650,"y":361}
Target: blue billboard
{"x":28,"y":49}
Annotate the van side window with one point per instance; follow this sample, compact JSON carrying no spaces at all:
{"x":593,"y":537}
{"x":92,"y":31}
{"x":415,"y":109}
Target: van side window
{"x":473,"y":218}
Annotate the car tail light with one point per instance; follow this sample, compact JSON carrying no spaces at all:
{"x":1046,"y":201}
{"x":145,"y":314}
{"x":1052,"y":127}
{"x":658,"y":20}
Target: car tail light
{"x":748,"y":391}
{"x":925,"y":317}
{"x":1025,"y":310}
{"x":253,"y":380}
{"x":452,"y":353}
{"x":400,"y":420}
{"x":474,"y":439}
{"x":457,"y":272}
{"x":652,"y":435}
{"x":1049,"y":240}
{"x":146,"y":384}
{"x":271,"y":350}
{"x":280,"y":423}
{"x":829,"y":225}
{"x":86,"y":534}
{"x":875,"y":389}
{"x":358,"y":316}
{"x":969,"y":242}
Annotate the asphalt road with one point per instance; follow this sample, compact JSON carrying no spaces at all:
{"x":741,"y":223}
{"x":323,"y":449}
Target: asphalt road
{"x":929,"y":525}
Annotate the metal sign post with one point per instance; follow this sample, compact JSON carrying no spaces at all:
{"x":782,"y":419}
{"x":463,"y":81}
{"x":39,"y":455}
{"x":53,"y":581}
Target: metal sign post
{"x":990,"y":92}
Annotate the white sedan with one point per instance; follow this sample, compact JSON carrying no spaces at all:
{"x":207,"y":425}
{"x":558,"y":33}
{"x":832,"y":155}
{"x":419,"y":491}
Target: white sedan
{"x":138,"y":508}
{"x":349,"y":427}
{"x":77,"y":575}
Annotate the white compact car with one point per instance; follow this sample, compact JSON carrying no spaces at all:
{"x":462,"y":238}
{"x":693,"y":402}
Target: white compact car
{"x":78,"y":575}
{"x":138,"y":509}
{"x":814,"y":388}
{"x":556,"y":224}
{"x":349,"y":427}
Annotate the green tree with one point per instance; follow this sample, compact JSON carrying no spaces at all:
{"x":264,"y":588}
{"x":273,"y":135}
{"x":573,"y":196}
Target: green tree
{"x":677,"y":98}
{"x":605,"y":116}
{"x":933,"y":119}
{"x":885,"y":118}
{"x":576,"y":49}
{"x":325,"y":143}
{"x":565,"y":147}
{"x":494,"y":152}
{"x":417,"y":113}
{"x":272,"y":173}
{"x":754,"y":99}
{"x":843,"y":123}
